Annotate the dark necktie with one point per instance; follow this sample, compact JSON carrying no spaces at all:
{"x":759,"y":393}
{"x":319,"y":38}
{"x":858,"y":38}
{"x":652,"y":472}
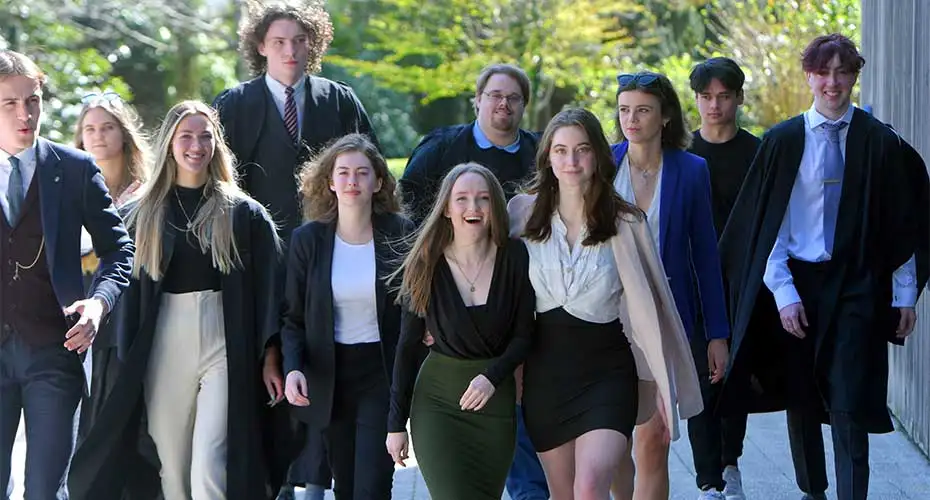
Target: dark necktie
{"x":290,"y":113}
{"x":833,"y":166}
{"x":14,"y":191}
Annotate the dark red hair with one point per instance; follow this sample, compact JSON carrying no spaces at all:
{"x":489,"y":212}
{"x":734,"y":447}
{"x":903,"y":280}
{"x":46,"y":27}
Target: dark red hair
{"x":820,"y":52}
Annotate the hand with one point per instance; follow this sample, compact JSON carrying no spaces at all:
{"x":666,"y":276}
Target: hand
{"x":478,"y":393}
{"x":271,"y":375}
{"x":793,"y":318}
{"x":82,"y":334}
{"x":397,"y":447}
{"x":295,"y":388}
{"x":908,"y":320}
{"x":717,"y":357}
{"x":428,"y":339}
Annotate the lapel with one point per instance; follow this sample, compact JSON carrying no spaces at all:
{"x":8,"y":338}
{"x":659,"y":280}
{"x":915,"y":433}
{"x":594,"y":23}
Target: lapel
{"x":48,"y":175}
{"x":325,"y":275}
{"x":671,"y":173}
{"x":787,"y":163}
{"x":383,"y":254}
{"x":316,"y":134}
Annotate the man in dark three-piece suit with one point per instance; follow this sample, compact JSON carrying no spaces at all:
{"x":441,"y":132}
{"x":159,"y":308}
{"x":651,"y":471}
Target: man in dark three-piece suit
{"x":47,"y":317}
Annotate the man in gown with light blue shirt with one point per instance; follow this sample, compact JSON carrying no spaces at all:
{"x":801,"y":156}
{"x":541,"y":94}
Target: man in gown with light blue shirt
{"x":819,"y":255}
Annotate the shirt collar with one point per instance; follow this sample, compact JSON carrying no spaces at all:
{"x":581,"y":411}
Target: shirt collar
{"x":278,"y":88}
{"x":26,"y":157}
{"x":815,"y":119}
{"x":485,"y":143}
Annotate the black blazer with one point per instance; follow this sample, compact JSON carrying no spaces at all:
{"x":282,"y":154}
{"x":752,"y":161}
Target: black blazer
{"x":72,"y":194}
{"x":309,"y":332}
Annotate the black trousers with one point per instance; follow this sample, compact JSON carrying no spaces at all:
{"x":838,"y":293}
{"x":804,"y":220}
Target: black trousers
{"x":45,"y":383}
{"x":850,"y":440}
{"x":361,"y":466}
{"x":716,"y":442}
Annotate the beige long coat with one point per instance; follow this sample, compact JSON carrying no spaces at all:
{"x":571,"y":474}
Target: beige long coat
{"x":650,"y":320}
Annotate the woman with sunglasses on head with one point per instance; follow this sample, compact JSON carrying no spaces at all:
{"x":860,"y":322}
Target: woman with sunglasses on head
{"x":467,"y":283}
{"x":191,"y":325}
{"x":672,"y":187}
{"x":110,"y":130}
{"x":593,"y":263}
{"x":342,"y":324}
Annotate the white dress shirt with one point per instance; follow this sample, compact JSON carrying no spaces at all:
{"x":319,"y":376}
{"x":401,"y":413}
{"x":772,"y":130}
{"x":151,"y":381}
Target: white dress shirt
{"x":624,"y":186}
{"x":582,"y":279}
{"x":355,"y":306}
{"x":280,"y":98}
{"x":801,"y":235}
{"x":27,"y":165}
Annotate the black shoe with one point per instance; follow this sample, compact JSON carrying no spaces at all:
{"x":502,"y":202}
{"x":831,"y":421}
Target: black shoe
{"x":818,"y":496}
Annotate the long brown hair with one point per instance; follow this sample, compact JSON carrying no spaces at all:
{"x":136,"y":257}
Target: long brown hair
{"x":602,"y":203}
{"x":436,"y":234}
{"x":135,"y":144}
{"x":675,"y":134}
{"x":213,"y":223}
{"x":315,"y":177}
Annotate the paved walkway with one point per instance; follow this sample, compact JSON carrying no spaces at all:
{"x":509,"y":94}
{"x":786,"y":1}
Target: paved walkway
{"x":899,"y":470}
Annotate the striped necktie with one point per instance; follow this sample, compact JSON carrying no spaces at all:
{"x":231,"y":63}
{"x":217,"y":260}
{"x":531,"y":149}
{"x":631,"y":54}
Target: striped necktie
{"x":14,"y":191}
{"x":290,"y":113}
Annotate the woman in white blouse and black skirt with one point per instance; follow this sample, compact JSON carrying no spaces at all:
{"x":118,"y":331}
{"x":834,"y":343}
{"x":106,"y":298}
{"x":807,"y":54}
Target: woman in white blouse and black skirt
{"x":342,"y":324}
{"x":589,"y":250}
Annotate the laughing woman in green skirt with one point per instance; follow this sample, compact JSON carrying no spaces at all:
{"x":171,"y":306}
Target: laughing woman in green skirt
{"x":468,"y":284}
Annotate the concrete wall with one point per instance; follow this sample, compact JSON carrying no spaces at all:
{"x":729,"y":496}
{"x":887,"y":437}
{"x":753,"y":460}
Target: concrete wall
{"x":896,"y":82}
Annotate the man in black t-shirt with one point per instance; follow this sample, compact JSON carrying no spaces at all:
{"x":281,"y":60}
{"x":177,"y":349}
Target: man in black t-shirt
{"x":717,"y":442}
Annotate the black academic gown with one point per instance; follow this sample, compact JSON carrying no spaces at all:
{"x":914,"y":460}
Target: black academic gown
{"x":99,"y":468}
{"x":874,"y":236}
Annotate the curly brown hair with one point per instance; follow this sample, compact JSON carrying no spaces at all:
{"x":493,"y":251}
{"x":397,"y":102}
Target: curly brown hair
{"x":319,"y":201}
{"x":309,"y":14}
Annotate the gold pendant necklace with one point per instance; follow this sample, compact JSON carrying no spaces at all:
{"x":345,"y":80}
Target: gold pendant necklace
{"x":471,"y":283}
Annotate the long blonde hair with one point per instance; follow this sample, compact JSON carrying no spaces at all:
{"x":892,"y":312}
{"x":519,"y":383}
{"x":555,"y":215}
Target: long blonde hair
{"x":213,"y":223}
{"x":135,"y":144}
{"x":435,"y":235}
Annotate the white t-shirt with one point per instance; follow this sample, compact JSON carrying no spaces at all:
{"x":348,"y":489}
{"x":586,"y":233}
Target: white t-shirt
{"x":354,"y":298}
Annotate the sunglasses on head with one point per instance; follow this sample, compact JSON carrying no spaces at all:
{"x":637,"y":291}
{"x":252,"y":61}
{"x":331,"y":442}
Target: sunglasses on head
{"x":96,"y":97}
{"x":644,"y":79}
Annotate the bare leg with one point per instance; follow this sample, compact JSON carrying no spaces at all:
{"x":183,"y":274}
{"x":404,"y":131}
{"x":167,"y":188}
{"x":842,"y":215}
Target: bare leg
{"x":597,"y":457}
{"x":651,"y":452}
{"x":559,"y":466}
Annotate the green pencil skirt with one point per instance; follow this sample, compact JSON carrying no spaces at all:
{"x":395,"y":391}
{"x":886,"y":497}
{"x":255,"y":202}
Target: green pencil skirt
{"x":463,"y":455}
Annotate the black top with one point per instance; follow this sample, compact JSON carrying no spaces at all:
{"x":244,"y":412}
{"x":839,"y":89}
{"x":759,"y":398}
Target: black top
{"x":444,"y":148}
{"x":190,"y":269}
{"x":728,"y":163}
{"x":500,"y":329}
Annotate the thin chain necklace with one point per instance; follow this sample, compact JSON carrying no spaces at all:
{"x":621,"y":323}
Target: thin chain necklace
{"x":190,"y":222}
{"x":471,"y":283}
{"x":643,"y":172}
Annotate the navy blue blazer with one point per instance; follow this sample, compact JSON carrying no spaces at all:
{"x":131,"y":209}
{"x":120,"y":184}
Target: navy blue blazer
{"x":72,"y":194}
{"x":689,"y":246}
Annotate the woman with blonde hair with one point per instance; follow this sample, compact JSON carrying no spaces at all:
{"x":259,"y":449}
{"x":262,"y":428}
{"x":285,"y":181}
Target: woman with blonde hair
{"x":467,"y":283}
{"x":109,"y":129}
{"x":342,"y":323}
{"x":192,"y":324}
{"x":605,"y":319}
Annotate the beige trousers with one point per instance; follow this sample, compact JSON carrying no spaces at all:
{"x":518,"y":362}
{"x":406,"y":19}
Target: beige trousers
{"x":186,"y":395}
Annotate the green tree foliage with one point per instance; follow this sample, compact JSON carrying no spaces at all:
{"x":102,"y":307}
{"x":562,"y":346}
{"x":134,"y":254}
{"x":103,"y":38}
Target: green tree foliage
{"x":767,"y":39}
{"x":435,"y":49}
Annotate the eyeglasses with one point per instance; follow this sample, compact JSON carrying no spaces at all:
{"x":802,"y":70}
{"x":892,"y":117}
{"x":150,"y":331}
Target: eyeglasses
{"x":512,"y":99}
{"x":96,"y":98}
{"x":641,"y":79}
